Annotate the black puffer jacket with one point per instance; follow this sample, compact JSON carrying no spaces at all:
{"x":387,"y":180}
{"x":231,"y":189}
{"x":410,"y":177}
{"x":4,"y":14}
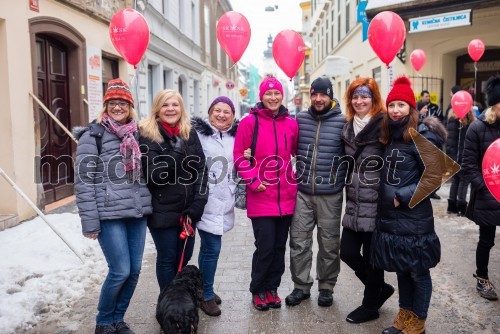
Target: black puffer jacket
{"x":318,"y":173}
{"x":404,"y":239}
{"x":456,"y":139}
{"x":363,"y":184}
{"x":177,"y":178}
{"x":479,"y":137}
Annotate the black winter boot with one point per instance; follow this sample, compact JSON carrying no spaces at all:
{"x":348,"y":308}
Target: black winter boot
{"x":452,"y":206}
{"x":461,"y":208}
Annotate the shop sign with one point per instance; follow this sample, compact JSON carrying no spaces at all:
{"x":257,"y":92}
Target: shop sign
{"x":230,"y":84}
{"x":441,"y":21}
{"x":483,"y":66}
{"x":94,"y":81}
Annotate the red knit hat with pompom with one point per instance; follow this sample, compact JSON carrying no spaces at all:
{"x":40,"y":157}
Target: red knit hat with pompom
{"x":401,"y":91}
{"x":118,"y":89}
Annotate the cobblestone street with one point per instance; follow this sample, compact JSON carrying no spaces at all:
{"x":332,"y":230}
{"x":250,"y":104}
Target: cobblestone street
{"x":455,"y":305}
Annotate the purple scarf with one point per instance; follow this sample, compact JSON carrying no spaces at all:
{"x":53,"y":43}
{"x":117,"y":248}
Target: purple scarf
{"x":129,"y":148}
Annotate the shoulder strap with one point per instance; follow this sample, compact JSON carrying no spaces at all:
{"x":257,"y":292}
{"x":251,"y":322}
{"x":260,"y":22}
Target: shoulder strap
{"x":358,"y":153}
{"x":254,"y":137}
{"x":96,"y":131}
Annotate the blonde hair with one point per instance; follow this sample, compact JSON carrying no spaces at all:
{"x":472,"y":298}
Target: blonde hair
{"x":149,"y":126}
{"x":132,"y":114}
{"x":467,"y":119}
{"x":490,"y":116}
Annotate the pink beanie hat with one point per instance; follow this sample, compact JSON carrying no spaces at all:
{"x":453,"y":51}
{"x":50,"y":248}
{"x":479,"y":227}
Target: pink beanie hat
{"x":268,"y":84}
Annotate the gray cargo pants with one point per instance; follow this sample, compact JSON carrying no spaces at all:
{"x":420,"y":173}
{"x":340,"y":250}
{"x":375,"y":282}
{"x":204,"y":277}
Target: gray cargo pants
{"x":324,"y":211}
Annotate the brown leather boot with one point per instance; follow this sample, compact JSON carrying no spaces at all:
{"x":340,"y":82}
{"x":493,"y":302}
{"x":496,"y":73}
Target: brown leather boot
{"x":210,"y":308}
{"x":414,"y":325}
{"x":398,"y":323}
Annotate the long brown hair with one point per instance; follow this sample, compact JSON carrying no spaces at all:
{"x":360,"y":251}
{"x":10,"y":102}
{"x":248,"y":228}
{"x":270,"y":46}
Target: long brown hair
{"x":385,"y":135}
{"x":377,"y":102}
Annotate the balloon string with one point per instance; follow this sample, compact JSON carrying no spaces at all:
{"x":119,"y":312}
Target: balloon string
{"x":134,"y":82}
{"x":475,"y":78}
{"x":232,"y":66}
{"x":460,"y":127}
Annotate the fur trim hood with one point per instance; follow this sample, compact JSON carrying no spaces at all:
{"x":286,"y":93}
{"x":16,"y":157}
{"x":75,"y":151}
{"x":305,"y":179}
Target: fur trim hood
{"x":433,"y":124}
{"x":203,"y":127}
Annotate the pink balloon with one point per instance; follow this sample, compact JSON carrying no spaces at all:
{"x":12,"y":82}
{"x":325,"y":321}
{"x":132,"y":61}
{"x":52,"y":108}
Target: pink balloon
{"x":289,"y":51}
{"x":461,"y":102}
{"x":417,"y":59}
{"x":129,"y":33}
{"x":386,"y":35}
{"x":491,"y":169}
{"x":476,"y":49}
{"x":233,"y":34}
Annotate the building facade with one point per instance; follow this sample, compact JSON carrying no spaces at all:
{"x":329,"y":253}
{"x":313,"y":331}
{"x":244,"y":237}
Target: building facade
{"x":338,"y":49}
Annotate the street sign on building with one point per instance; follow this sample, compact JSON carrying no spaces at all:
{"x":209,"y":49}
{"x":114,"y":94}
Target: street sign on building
{"x":441,"y":21}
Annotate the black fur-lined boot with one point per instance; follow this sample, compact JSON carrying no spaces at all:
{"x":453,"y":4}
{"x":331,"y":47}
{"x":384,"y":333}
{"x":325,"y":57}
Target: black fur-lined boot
{"x":461,"y":208}
{"x":452,"y":206}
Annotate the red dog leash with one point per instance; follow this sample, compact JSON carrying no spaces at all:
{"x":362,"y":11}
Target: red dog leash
{"x":187,"y":231}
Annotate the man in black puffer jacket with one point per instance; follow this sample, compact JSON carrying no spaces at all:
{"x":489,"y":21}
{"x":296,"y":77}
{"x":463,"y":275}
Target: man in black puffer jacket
{"x":321,"y":177}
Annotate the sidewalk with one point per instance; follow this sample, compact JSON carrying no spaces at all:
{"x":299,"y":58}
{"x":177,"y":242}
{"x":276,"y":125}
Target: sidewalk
{"x":455,"y":305}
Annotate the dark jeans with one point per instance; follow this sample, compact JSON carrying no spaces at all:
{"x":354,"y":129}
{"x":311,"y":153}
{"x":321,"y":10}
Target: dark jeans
{"x":168,"y":253}
{"x":122,"y":242}
{"x":207,"y":261}
{"x":415,"y":290}
{"x":486,"y":242}
{"x":351,"y":245}
{"x":268,"y":263}
{"x":458,"y":189}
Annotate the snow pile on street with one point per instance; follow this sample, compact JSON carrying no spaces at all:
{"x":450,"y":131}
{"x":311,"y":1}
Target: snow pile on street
{"x":40,"y":274}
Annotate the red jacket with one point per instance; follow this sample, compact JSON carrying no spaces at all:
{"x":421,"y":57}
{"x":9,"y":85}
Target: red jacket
{"x":276,"y":144}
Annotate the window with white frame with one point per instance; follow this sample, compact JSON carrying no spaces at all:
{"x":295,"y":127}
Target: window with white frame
{"x":181,"y":14}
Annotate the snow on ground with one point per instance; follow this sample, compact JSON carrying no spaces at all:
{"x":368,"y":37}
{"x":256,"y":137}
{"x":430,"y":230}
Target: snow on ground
{"x":40,"y":274}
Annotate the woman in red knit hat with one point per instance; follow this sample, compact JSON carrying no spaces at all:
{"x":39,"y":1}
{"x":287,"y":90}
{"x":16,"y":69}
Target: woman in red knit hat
{"x":404,"y":240}
{"x":113,"y":201}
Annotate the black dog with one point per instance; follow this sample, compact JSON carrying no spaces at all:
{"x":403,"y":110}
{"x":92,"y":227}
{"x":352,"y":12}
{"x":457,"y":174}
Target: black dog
{"x":177,"y":308}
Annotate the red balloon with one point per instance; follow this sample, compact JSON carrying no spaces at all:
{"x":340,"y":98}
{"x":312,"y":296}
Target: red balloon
{"x":461,"y":102}
{"x":417,"y":59}
{"x":476,"y":49}
{"x":491,"y":169}
{"x":386,"y":34}
{"x":129,"y":34}
{"x":289,"y":51}
{"x":233,"y":34}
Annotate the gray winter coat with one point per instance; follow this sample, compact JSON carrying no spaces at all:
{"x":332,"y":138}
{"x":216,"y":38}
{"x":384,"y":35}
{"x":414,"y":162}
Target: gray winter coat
{"x":364,"y":181}
{"x":319,"y":149}
{"x":101,"y":186}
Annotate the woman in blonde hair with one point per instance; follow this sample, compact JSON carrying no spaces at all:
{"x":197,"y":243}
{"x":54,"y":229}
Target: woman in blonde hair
{"x":484,"y":208}
{"x":457,"y":128}
{"x":174,"y":165}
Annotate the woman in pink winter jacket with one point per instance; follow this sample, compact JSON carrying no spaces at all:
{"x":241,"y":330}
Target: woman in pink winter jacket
{"x":271,"y":187}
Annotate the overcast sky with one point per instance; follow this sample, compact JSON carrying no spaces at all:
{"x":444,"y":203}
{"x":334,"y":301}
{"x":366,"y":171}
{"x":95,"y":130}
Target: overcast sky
{"x":287,"y":16}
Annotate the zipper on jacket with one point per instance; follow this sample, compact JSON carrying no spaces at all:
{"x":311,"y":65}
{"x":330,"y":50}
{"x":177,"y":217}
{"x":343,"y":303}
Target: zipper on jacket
{"x":277,"y":164}
{"x":315,"y":155}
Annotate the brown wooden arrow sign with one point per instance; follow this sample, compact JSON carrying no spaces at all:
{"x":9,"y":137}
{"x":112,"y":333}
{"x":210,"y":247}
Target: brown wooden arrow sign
{"x":439,"y":168}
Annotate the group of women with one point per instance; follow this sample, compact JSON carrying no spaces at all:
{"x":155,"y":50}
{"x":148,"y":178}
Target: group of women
{"x":174,"y":176}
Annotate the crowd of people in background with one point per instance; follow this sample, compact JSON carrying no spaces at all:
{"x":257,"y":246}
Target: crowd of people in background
{"x":174,"y":177}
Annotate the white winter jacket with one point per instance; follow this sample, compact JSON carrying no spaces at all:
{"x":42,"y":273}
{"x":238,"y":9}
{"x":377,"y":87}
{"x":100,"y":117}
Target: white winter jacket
{"x":218,"y":217}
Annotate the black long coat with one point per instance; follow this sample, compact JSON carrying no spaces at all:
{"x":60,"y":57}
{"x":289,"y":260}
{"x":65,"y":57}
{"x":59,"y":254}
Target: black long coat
{"x":177,"y":178}
{"x":363,"y":182}
{"x":479,"y":137}
{"x":404,"y":239}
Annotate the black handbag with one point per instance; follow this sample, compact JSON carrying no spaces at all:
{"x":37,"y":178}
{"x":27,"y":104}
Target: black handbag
{"x":241,"y":187}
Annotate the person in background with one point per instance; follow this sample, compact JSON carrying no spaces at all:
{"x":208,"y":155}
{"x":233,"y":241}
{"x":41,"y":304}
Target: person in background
{"x":404,"y":240}
{"x":432,"y":109}
{"x":113,"y":201}
{"x":217,"y":135}
{"x":361,"y":136}
{"x":484,"y":208}
{"x":174,"y":165}
{"x":271,"y":188}
{"x":457,"y":198}
{"x":319,"y":199}
{"x":453,"y":90}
